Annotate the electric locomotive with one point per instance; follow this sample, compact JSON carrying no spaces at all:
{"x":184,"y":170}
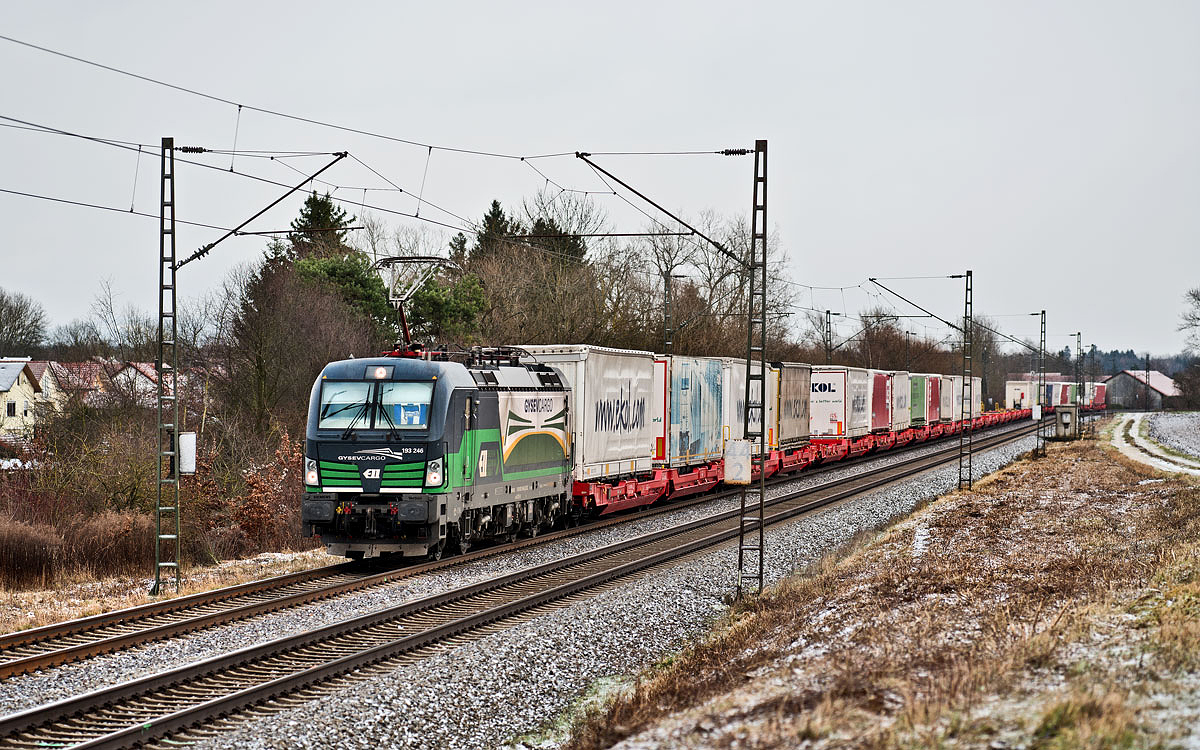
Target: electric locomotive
{"x":407,"y":455}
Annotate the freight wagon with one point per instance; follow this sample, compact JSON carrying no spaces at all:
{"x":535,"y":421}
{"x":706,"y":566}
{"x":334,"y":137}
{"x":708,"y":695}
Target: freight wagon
{"x":838,"y":403}
{"x":695,"y":410}
{"x":879,"y":396}
{"x":795,"y":383}
{"x":734,"y":401}
{"x":951,"y":398}
{"x":901,"y":393}
{"x":1020,"y":394}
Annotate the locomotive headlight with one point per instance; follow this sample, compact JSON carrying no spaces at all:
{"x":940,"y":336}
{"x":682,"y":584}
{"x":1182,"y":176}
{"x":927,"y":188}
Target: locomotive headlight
{"x":433,"y":473}
{"x":310,"y":471}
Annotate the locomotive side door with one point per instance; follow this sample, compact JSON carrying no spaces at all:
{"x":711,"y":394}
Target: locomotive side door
{"x":469,"y":451}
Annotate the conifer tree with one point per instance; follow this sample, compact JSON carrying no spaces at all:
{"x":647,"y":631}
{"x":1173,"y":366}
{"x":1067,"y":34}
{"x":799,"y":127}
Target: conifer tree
{"x":320,"y":229}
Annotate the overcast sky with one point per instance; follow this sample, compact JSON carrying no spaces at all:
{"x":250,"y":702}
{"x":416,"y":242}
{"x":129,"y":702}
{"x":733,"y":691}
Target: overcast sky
{"x":1049,"y":146}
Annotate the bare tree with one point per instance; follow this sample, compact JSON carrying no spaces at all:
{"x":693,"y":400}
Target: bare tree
{"x":372,"y":239}
{"x":131,"y":334}
{"x":22,"y":323}
{"x":75,"y":341}
{"x":1190,"y":322}
{"x":571,"y":212}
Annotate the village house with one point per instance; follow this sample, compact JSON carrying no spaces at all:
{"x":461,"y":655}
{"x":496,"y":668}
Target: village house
{"x":19,"y":395}
{"x":85,"y":382}
{"x":136,"y":382}
{"x":53,"y":395}
{"x":1135,"y":389}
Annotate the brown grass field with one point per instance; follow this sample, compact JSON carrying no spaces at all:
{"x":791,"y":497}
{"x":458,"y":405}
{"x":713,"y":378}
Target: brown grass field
{"x":1055,"y":606}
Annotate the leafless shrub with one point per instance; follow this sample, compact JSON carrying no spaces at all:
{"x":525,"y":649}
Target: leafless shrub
{"x":110,"y":543}
{"x":28,"y":554}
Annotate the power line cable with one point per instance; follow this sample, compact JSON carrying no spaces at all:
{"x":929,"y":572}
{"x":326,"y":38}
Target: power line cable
{"x":133,"y":146}
{"x":18,"y":124}
{"x":276,"y":113}
{"x":109,"y":208}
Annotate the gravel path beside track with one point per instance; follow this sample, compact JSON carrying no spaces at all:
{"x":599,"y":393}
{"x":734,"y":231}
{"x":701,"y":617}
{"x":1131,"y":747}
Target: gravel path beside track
{"x":73,"y":679}
{"x":509,"y":684}
{"x":1179,"y":431}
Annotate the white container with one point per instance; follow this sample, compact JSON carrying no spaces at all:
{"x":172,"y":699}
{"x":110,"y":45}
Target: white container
{"x":838,"y":406}
{"x":733,"y":377}
{"x":901,"y":393}
{"x":795,"y":386}
{"x":1020,"y":394}
{"x":976,"y":398}
{"x":951,"y":397}
{"x":693,"y":410}
{"x":609,"y":409}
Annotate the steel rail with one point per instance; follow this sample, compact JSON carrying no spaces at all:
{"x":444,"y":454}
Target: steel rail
{"x":27,"y":651}
{"x":144,"y":724}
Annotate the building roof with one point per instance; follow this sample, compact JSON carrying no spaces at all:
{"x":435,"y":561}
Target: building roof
{"x":146,"y":369}
{"x":11,"y":370}
{"x":79,"y":376}
{"x":1158,"y":381}
{"x":38,"y":367}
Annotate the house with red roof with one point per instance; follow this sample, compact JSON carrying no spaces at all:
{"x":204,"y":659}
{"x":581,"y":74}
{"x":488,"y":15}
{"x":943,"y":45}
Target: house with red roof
{"x":1141,"y":389}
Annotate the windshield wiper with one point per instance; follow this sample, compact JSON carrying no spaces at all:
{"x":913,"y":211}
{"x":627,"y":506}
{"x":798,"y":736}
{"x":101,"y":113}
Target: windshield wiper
{"x":392,"y":434}
{"x":350,"y":427}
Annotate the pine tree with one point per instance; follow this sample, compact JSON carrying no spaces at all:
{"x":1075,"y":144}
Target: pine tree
{"x":320,"y":228}
{"x":496,"y":226}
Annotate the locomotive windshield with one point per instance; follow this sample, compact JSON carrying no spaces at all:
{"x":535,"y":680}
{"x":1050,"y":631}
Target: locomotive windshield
{"x":342,"y":404}
{"x":405,"y":405}
{"x":366,"y":406}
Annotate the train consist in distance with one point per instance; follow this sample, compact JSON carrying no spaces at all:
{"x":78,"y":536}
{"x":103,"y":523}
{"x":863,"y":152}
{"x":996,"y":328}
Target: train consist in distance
{"x":412,"y":455}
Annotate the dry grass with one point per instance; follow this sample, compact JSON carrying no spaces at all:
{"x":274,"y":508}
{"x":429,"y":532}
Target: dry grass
{"x":919,"y":635}
{"x":108,"y":543}
{"x":82,"y":594}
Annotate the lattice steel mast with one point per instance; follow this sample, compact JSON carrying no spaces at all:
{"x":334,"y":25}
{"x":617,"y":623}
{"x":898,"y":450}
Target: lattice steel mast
{"x":166,"y":505}
{"x":1041,"y":394}
{"x":966,"y":425}
{"x":751,"y":546}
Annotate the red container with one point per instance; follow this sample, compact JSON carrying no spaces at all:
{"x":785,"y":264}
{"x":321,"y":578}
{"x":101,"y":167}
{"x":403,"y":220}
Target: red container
{"x":881,"y":401}
{"x":933,"y":399}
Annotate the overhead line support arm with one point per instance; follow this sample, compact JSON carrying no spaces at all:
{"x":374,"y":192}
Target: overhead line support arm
{"x":724,"y":250}
{"x":914,"y":304}
{"x":236,"y":230}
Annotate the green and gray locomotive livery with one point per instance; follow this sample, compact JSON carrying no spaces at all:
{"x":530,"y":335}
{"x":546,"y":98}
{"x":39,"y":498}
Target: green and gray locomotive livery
{"x":411,"y":457}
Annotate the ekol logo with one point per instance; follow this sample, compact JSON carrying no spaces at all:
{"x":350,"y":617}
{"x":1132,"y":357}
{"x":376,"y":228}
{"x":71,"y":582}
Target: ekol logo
{"x":824,"y":388}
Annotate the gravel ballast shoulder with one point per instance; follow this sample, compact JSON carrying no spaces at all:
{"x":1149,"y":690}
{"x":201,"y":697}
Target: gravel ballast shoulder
{"x":512,"y":683}
{"x":1179,"y":431}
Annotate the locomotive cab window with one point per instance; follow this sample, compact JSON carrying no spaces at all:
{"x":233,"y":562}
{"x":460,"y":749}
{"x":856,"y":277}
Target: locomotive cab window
{"x":406,"y":404}
{"x":343,"y":404}
{"x":371,"y":406}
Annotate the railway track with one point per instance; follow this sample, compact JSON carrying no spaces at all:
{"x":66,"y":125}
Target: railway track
{"x":168,"y":707}
{"x":41,"y":648}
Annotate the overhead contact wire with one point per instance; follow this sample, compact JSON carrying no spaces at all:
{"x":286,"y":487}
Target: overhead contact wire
{"x":275,"y":113}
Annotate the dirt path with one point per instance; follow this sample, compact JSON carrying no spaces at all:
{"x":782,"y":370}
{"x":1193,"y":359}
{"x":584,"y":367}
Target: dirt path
{"x":1127,"y":438}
